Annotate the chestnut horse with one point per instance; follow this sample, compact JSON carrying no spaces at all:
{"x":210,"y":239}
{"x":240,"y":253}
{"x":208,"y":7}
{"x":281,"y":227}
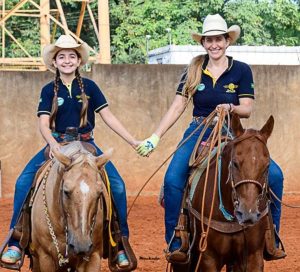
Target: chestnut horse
{"x":67,"y":213}
{"x":234,"y":236}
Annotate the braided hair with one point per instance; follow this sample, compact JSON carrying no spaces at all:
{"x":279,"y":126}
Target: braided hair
{"x":54,"y":101}
{"x":83,"y":114}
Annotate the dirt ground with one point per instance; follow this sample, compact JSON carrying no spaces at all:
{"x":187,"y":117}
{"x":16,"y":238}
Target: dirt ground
{"x":147,"y":235}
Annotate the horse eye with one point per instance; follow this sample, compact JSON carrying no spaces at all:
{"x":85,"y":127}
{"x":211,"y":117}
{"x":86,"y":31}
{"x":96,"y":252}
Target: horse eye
{"x":235,"y":165}
{"x":67,"y":193}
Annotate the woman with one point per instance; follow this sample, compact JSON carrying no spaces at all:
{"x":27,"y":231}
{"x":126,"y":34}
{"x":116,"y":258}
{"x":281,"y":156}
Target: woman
{"x":70,"y":101}
{"x":214,"y":81}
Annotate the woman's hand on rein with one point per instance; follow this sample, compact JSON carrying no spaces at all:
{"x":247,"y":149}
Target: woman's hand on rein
{"x":54,"y":147}
{"x":227,"y":107}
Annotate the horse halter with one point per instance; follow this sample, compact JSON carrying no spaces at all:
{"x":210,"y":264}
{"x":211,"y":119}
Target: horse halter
{"x":263,"y":188}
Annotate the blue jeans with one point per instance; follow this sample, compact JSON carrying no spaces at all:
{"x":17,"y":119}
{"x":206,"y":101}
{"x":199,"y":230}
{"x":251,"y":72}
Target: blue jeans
{"x":177,"y":175}
{"x":26,"y":178}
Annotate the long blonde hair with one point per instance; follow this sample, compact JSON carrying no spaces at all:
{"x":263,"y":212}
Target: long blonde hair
{"x":193,"y":77}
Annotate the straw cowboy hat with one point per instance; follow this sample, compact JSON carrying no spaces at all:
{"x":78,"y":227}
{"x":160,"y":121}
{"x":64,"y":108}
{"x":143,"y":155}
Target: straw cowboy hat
{"x":215,"y":25}
{"x":64,"y":42}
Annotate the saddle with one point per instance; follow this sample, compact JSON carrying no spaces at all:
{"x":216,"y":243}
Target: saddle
{"x":198,"y":164}
{"x":22,"y":229}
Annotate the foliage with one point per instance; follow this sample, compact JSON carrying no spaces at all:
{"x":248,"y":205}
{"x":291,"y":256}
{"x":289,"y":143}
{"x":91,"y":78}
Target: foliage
{"x":263,"y":22}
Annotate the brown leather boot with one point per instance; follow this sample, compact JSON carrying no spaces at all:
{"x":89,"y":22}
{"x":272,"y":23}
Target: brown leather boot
{"x":272,"y":252}
{"x":276,"y":255}
{"x":177,"y":256}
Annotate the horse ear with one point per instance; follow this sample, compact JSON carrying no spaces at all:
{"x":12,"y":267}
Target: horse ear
{"x":104,"y":158}
{"x":267,"y":129}
{"x":66,"y":161}
{"x":236,"y":125}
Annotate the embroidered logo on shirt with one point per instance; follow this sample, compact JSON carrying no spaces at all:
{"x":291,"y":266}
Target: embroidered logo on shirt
{"x":231,"y":88}
{"x":41,"y":100}
{"x":201,"y":87}
{"x":252,"y":85}
{"x":60,"y":101}
{"x":79,"y":98}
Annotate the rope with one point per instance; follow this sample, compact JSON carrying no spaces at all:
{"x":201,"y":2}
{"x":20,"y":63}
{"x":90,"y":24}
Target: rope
{"x":216,"y":138}
{"x":206,"y":120}
{"x":283,"y":203}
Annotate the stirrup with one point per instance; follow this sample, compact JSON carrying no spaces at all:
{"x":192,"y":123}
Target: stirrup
{"x":272,"y":252}
{"x":14,"y":266}
{"x":177,"y":257}
{"x":122,"y":260}
{"x":11,"y":256}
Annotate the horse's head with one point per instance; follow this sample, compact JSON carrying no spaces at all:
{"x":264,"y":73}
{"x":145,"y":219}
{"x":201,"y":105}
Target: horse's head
{"x":80,"y":190}
{"x":248,"y":170}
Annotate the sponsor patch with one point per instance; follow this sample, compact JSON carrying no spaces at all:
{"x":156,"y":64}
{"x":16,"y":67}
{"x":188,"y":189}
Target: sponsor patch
{"x":201,"y":87}
{"x":231,"y":88}
{"x":60,"y":101}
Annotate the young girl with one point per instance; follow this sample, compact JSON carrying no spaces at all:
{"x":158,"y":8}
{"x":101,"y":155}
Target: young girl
{"x":225,"y":83}
{"x":70,"y":101}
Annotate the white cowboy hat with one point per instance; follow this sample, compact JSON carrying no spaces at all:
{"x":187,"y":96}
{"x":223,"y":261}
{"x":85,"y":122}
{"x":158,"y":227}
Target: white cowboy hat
{"x":215,"y":25}
{"x":64,"y":42}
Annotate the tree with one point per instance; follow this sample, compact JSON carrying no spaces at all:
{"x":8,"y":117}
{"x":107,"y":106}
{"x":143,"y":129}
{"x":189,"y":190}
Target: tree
{"x":263,"y":22}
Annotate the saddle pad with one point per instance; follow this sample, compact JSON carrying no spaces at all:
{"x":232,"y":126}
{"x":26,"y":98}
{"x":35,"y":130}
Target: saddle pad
{"x":198,"y":171}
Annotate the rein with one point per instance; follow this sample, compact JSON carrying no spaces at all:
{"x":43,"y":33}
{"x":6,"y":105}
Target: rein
{"x":263,"y":188}
{"x":206,"y":122}
{"x":63,"y":259}
{"x":283,"y":203}
{"x":216,"y":138}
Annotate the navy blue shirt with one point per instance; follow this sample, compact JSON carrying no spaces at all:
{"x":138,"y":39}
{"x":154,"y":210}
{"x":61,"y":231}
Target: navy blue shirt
{"x":236,"y":82}
{"x":70,"y":104}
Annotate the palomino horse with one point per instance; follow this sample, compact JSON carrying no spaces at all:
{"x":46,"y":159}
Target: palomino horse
{"x":231,"y":229}
{"x":67,"y":213}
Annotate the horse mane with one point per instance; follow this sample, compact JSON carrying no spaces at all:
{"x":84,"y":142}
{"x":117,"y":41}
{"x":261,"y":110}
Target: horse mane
{"x":78,"y":154}
{"x":73,"y":148}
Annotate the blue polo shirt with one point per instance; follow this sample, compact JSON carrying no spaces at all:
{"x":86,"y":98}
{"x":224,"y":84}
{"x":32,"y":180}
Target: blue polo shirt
{"x":70,"y":104}
{"x":236,"y":82}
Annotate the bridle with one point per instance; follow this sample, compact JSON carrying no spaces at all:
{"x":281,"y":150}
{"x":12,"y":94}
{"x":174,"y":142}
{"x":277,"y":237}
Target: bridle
{"x":234,"y":185}
{"x":63,"y":259}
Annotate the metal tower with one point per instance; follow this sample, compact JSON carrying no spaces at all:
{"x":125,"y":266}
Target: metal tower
{"x":57,"y":19}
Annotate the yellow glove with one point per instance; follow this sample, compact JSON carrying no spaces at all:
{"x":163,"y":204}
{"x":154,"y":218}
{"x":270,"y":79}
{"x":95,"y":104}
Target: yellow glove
{"x":148,"y":145}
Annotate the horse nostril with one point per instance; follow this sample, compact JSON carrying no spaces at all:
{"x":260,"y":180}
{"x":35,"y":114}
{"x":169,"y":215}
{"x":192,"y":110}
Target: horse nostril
{"x":239,"y":214}
{"x":258,"y":215}
{"x":71,"y":246}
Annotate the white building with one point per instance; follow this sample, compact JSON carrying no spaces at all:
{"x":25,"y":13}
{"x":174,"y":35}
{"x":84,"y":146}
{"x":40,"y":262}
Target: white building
{"x":253,"y":55}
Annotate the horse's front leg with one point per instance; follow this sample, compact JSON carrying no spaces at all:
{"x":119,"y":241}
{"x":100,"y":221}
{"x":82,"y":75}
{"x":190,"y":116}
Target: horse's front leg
{"x":43,"y":262}
{"x":209,"y":263}
{"x":92,"y":265}
{"x":254,"y":263}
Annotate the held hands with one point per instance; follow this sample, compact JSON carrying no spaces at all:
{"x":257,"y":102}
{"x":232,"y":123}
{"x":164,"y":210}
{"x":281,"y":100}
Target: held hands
{"x":148,"y":145}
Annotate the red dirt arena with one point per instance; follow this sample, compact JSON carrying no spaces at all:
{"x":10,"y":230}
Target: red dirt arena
{"x":147,"y":235}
